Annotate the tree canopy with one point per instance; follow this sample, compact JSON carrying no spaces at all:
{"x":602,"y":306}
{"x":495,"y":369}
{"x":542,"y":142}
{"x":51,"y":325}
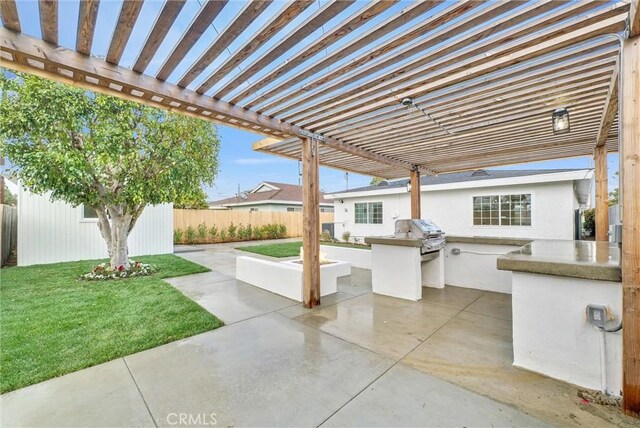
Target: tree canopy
{"x":114,"y":155}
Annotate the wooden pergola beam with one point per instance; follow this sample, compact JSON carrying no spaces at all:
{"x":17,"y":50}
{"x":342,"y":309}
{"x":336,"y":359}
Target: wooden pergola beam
{"x":87,"y":17}
{"x":9,"y":15}
{"x":310,"y":223}
{"x":602,"y":193}
{"x":170,"y":96}
{"x":159,"y":31}
{"x":415,"y":194}
{"x":634,"y":18}
{"x":126,"y":20}
{"x":48,"y":10}
{"x":630,"y":190}
{"x":609,"y":112}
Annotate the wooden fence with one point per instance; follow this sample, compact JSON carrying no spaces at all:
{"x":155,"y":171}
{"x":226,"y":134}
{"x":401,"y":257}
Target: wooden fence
{"x":223,"y":218}
{"x":8,"y":231}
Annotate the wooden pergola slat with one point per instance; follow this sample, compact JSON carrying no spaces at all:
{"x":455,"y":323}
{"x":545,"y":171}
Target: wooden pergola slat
{"x":485,"y":39}
{"x":314,"y":22}
{"x":406,"y":15}
{"x":9,"y":15}
{"x":208,"y":12}
{"x":377,"y":99}
{"x":86,"y":25}
{"x":234,"y":28}
{"x":352,"y":23}
{"x":159,"y":31}
{"x":48,"y":10}
{"x":127,"y":19}
{"x":262,"y":36}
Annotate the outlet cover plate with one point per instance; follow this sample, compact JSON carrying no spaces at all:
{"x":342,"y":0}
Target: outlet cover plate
{"x":597,"y":315}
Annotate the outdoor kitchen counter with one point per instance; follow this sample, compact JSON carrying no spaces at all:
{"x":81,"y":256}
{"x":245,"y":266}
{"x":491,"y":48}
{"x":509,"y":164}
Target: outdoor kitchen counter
{"x":576,"y":259}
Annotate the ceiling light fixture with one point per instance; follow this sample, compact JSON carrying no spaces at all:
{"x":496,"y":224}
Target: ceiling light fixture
{"x":560,"y":121}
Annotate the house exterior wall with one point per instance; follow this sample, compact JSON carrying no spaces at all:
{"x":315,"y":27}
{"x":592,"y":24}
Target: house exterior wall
{"x":50,"y":232}
{"x":452,"y":209}
{"x":275,"y":207}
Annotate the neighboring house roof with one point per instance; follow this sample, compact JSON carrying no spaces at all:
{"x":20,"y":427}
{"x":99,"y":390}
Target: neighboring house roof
{"x":269,"y":192}
{"x":468,"y":176}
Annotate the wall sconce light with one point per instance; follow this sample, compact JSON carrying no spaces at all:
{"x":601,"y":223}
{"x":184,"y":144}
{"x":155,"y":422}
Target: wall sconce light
{"x":560,"y":120}
{"x":408,"y":186}
{"x":341,"y":201}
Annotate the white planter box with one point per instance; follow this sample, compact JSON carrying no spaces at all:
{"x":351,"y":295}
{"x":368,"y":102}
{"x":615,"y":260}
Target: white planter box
{"x":359,"y":258}
{"x":285,"y":278}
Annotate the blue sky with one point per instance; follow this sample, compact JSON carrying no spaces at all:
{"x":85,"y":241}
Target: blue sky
{"x":239,"y":165}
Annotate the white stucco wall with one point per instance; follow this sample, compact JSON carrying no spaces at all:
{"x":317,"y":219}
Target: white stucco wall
{"x":551,"y":335}
{"x":452,"y":209}
{"x":50,"y":232}
{"x":475,"y":267}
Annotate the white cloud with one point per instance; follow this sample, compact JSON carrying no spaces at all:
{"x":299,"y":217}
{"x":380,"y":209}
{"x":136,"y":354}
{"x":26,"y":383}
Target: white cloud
{"x":255,"y":161}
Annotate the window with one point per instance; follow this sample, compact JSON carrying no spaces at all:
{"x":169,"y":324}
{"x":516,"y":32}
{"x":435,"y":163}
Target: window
{"x":253,"y":209}
{"x":368,"y":212}
{"x":502,"y":210}
{"x":294,"y":209}
{"x":88,"y":213}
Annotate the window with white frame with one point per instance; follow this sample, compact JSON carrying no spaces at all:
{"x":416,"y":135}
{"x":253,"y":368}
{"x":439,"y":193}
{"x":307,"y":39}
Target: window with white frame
{"x":368,"y":212}
{"x":502,"y":210}
{"x":88,"y":213}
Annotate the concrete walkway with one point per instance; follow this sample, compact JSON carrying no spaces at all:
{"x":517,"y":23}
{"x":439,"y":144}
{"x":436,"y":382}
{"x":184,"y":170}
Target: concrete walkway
{"x":359,"y":360}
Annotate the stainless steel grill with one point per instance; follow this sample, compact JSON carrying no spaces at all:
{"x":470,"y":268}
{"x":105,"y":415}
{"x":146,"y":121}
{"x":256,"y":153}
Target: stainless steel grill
{"x":431,"y":235}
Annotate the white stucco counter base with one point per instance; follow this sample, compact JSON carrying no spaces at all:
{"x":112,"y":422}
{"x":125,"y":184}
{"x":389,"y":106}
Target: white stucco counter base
{"x":553,"y":282}
{"x":399,"y":270}
{"x":551,"y":334}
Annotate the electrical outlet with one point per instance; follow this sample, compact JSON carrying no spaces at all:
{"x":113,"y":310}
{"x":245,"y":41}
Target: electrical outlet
{"x":597,"y":315}
{"x":455,"y":251}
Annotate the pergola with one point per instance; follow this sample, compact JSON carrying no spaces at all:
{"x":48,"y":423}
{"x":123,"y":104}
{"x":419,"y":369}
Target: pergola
{"x":387,"y":88}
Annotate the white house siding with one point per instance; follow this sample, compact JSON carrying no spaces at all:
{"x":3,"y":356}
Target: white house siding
{"x":50,"y":232}
{"x":552,"y":211}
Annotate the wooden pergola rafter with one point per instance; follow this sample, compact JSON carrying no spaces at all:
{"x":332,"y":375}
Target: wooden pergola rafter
{"x":325,"y":82}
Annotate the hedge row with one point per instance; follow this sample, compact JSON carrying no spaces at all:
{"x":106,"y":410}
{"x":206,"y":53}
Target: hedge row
{"x":204,"y":234}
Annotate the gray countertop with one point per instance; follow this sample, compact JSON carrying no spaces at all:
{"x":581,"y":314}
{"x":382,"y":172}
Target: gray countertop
{"x":391,"y":240}
{"x":576,"y":259}
{"x":488,"y":240}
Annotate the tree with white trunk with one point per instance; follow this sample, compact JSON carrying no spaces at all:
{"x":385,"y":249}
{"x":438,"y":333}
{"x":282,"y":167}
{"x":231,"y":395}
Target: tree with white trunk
{"x":113,"y":155}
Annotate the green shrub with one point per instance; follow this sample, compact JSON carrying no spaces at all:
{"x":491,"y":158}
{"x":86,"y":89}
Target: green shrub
{"x":177,"y":236}
{"x":213,"y":232}
{"x":589,"y":223}
{"x":258,"y":233}
{"x":346,"y":235}
{"x":325,"y":236}
{"x":282,"y":230}
{"x":223,"y":235}
{"x":270,"y":231}
{"x":232,"y":231}
{"x":249,"y":231}
{"x":244,"y":232}
{"x":202,"y":232}
{"x":190,"y":234}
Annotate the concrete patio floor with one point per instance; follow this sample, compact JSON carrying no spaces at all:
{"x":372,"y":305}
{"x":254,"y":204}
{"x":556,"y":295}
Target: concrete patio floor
{"x":358,"y":360}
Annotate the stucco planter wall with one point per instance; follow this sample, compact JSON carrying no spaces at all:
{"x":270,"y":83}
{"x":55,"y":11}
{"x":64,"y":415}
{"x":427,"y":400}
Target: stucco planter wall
{"x":360,"y":258}
{"x":285,"y":278}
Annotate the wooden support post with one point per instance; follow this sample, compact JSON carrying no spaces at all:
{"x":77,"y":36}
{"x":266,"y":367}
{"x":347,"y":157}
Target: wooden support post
{"x":630,"y":190}
{"x":602,"y":194}
{"x":310,"y":224}
{"x":415,"y":194}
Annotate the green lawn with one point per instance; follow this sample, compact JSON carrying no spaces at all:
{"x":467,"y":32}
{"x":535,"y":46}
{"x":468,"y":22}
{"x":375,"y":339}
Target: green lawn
{"x":290,"y":249}
{"x":52,"y":323}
